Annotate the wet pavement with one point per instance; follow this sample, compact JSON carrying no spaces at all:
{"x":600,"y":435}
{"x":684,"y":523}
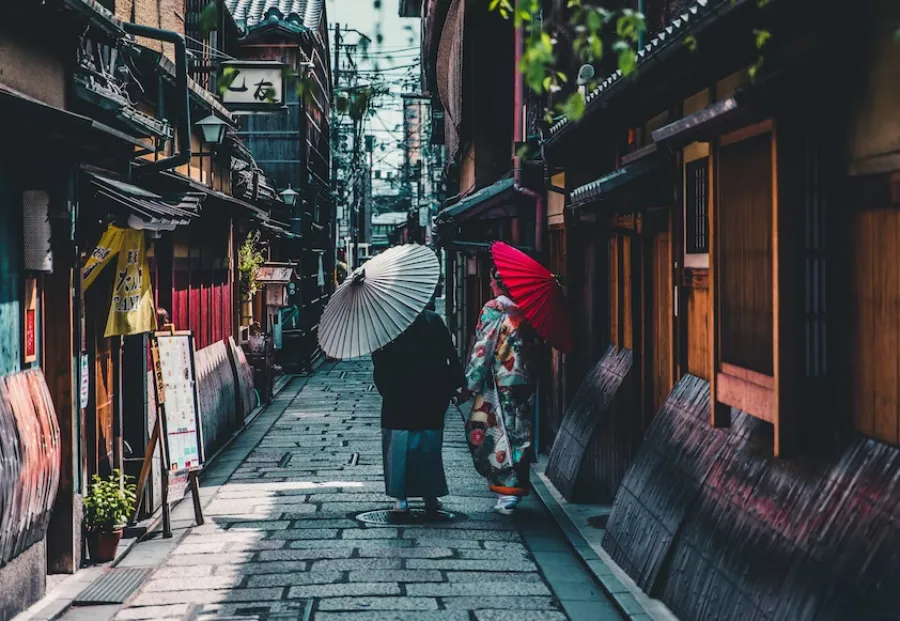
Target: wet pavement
{"x":281,"y":539}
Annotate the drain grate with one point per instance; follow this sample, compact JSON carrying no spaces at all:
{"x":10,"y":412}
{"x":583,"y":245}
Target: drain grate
{"x":114,"y":587}
{"x":413,"y":517}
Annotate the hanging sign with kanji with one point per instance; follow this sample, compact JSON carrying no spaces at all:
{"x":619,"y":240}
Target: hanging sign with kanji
{"x":106,"y":250}
{"x":131,"y":310}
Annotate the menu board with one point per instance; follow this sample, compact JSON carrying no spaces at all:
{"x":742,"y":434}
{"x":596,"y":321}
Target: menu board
{"x":176,"y":391}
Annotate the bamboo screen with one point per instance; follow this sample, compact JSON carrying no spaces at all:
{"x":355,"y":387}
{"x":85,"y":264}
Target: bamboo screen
{"x":744,"y":244}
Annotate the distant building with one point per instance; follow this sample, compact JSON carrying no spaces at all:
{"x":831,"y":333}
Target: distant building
{"x":384,"y":225}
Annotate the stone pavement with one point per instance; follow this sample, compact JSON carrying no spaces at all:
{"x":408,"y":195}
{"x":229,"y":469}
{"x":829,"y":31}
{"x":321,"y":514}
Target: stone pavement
{"x":281,"y":540}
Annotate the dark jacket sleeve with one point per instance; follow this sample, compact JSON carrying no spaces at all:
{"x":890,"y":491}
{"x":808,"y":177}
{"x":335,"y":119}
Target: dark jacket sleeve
{"x":457,"y":372}
{"x":443,"y":343}
{"x":380,"y":371}
{"x":386,"y":370}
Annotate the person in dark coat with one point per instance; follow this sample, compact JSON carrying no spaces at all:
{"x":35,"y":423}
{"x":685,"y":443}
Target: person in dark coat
{"x":416,"y":375}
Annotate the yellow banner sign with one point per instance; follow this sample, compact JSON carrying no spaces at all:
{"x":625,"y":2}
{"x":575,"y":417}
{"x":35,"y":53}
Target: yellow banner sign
{"x":132,"y":310}
{"x":106,"y":249}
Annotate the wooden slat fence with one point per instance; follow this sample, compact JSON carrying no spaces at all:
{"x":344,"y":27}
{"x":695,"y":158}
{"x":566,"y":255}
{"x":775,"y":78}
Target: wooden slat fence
{"x":708,"y":521}
{"x":218,"y":400}
{"x":244,"y":375}
{"x":29,"y":461}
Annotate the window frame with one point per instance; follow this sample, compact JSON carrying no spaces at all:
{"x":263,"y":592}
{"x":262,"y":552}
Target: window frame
{"x":693,"y":153}
{"x":755,"y":393}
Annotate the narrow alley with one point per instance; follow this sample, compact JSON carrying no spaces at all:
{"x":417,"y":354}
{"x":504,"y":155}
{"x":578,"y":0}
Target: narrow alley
{"x":281,"y":540}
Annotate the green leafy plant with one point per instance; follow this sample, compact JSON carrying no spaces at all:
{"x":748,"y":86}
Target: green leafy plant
{"x":109,"y":502}
{"x":589,"y":25}
{"x":250,"y":259}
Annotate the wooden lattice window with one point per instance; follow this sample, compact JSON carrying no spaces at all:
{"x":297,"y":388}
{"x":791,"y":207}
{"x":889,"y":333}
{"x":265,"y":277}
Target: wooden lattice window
{"x":696,"y":196}
{"x":696,"y":217}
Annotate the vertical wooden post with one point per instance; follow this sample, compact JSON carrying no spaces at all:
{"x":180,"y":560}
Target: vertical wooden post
{"x":166,"y":510}
{"x":145,"y":471}
{"x":62,"y":367}
{"x":195,"y":494}
{"x":787,"y":297}
{"x":720,"y":414}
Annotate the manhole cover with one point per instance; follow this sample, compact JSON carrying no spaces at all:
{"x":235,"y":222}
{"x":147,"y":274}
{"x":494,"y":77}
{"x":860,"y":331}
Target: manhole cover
{"x":413,"y":517}
{"x":297,"y":610}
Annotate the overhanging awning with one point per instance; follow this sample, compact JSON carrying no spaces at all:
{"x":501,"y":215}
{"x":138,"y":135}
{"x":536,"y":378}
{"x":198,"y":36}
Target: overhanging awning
{"x":490,"y":201}
{"x":275,"y":273}
{"x":147,"y":210}
{"x":279,"y":229}
{"x":697,"y":17}
{"x":177,"y":179}
{"x":606,"y":186}
{"x":23,"y":113}
{"x":21,"y":109}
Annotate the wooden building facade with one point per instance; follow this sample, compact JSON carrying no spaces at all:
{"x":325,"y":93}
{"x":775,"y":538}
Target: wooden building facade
{"x":726,"y":239}
{"x":98,"y":124}
{"x":293,"y":147}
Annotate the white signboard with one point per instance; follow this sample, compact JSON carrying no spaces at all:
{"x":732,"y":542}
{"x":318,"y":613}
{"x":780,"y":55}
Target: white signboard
{"x":178,"y":482}
{"x":182,"y":428}
{"x":250,"y":85}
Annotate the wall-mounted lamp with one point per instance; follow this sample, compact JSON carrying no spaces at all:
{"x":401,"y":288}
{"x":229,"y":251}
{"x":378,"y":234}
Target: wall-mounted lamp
{"x":213,"y":129}
{"x":289,"y":196}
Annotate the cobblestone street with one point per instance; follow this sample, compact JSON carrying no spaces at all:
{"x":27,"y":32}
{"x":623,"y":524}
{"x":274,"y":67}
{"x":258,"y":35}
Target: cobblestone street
{"x":281,"y":540}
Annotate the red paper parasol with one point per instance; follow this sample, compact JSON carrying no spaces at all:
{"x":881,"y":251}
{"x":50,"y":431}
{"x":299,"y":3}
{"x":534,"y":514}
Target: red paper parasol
{"x":538,"y":292}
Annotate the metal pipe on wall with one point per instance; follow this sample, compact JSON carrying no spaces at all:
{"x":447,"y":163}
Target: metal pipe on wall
{"x":518,"y":138}
{"x":183,"y":129}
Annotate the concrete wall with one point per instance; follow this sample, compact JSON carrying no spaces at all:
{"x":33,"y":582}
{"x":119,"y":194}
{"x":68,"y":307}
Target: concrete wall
{"x":23,"y":581}
{"x":30,"y":65}
{"x":165,"y":14}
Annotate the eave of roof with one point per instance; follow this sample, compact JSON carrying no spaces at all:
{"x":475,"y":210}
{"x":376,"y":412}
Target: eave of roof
{"x":694,"y":19}
{"x":455,"y":208}
{"x":249,"y":13}
{"x":600,"y":189}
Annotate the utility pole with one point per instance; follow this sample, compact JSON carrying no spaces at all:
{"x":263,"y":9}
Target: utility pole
{"x":370,"y":147}
{"x":356,"y":193}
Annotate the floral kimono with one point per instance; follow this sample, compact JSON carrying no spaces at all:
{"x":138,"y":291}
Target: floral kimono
{"x":499,"y":430}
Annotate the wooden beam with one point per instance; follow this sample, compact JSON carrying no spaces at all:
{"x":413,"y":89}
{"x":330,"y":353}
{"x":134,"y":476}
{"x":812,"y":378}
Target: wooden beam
{"x":751,"y":398}
{"x":720,"y":414}
{"x":747,"y":132}
{"x":778,"y":388}
{"x":746,"y":375}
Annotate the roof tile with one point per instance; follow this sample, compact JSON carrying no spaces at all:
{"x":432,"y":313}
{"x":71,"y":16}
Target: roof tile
{"x":251,"y":12}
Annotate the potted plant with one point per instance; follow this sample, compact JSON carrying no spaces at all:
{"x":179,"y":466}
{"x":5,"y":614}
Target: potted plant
{"x":107,"y":507}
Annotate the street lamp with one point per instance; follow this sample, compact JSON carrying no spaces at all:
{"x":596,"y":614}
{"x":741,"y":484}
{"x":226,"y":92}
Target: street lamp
{"x":289,"y":196}
{"x":213,"y":129}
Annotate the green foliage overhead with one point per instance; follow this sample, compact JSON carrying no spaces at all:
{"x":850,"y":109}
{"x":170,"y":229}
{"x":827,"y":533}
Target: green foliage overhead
{"x":589,"y":24}
{"x":209,"y":18}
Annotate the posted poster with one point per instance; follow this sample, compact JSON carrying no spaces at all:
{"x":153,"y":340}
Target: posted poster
{"x":182,"y":429}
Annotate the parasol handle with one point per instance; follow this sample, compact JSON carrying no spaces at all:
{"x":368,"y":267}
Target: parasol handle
{"x":559,"y":280}
{"x":358,"y":276}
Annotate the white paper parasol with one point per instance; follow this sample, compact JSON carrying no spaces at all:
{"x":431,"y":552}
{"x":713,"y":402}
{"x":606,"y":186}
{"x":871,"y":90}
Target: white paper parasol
{"x":378,"y":301}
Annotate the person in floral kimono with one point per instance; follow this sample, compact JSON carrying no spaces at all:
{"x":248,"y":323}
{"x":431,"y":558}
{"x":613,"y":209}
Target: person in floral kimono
{"x":500,"y":426}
